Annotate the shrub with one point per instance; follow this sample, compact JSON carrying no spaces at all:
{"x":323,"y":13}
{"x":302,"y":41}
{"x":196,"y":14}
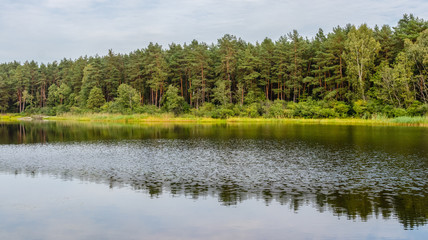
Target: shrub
{"x":205,"y":110}
{"x":223,"y":113}
{"x":252,"y":110}
{"x":341,"y":109}
{"x":149,"y":109}
{"x":276,"y":110}
{"x":112,"y":107}
{"x":417,"y":109}
{"x":360,"y":108}
{"x":399,"y":112}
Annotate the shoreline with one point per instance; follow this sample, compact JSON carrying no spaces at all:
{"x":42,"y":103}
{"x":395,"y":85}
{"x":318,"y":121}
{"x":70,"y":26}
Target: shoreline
{"x":190,"y":119}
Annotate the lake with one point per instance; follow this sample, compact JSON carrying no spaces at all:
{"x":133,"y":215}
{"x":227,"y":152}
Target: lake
{"x":65,"y":180}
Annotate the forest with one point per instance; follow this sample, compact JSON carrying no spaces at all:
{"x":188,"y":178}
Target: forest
{"x":352,"y":71}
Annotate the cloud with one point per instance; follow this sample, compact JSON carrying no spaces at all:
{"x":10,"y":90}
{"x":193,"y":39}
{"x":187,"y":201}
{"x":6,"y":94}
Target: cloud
{"x":50,"y":30}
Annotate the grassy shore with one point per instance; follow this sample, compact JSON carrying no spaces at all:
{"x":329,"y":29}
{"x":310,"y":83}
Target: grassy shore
{"x":10,"y":117}
{"x":144,"y":118}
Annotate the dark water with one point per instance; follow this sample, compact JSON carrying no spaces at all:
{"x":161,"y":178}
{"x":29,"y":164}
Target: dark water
{"x":166,"y":181}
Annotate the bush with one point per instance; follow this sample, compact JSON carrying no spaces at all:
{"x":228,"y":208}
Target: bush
{"x":360,"y":108}
{"x":314,"y":109}
{"x":60,"y":109}
{"x":303,"y":109}
{"x":341,"y":109}
{"x":399,"y":112}
{"x":325,"y":113}
{"x":222,"y":113}
{"x":76,"y":110}
{"x":417,"y":109}
{"x":205,"y":110}
{"x":276,"y":110}
{"x":388,"y":111}
{"x":239,"y":110}
{"x":149,"y":109}
{"x":112,"y":107}
{"x":254,"y":96}
{"x":252,"y":110}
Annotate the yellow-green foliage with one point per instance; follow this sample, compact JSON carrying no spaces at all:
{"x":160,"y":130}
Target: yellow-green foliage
{"x":169,"y":117}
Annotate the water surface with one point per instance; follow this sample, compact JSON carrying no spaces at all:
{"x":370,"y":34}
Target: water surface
{"x":240,"y":181}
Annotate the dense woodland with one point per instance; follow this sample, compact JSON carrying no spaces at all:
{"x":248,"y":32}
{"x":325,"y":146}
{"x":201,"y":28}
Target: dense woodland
{"x":350,"y":71}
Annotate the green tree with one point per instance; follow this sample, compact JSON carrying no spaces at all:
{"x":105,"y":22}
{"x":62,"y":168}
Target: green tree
{"x":135,"y":73}
{"x":297,"y":63}
{"x":92,"y":76}
{"x":127,"y":96}
{"x":4,"y":93}
{"x":27,"y":99}
{"x":267,"y":48}
{"x":418,"y":53}
{"x":336,"y":48}
{"x":156,"y":70}
{"x":323,"y":59}
{"x":385,"y":37}
{"x":95,"y":99}
{"x":228,"y":49}
{"x":393,"y":85}
{"x":176,"y":68}
{"x":198,"y":62}
{"x":53,"y":95}
{"x":249,"y":73}
{"x":280,"y":68}
{"x":172,"y":101}
{"x":64,"y":92}
{"x":409,"y":27}
{"x":380,"y":66}
{"x":221,"y":93}
{"x":21,"y":80}
{"x":114,"y":74}
{"x":361,"y":50}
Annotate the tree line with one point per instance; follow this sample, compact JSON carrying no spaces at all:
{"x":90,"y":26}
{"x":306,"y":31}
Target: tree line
{"x":350,"y":71}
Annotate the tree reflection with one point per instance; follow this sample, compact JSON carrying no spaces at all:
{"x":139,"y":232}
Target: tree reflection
{"x":357,"y":202}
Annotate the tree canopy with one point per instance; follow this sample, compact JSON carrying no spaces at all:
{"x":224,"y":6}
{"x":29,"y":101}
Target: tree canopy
{"x":380,"y":70}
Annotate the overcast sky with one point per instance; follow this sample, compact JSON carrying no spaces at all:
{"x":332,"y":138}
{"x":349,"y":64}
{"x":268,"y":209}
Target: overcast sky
{"x":48,"y":30}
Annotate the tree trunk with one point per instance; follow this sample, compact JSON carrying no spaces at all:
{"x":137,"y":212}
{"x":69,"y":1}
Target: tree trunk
{"x":156,"y":98}
{"x":20,"y":101}
{"x":242,"y":96}
{"x":181,"y":85}
{"x":203,"y":84}
{"x":190,"y":87}
{"x":267,"y":89}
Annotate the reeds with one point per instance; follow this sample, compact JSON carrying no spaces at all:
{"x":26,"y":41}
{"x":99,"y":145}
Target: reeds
{"x":188,"y":118}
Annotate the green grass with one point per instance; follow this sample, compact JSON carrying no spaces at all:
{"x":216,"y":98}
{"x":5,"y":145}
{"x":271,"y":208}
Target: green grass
{"x":142,"y":118}
{"x":10,"y":117}
{"x":188,"y":118}
{"x":411,"y":120}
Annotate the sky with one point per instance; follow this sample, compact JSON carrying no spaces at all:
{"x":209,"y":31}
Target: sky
{"x":49,"y":30}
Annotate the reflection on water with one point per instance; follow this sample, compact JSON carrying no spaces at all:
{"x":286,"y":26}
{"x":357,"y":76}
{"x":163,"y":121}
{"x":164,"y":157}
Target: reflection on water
{"x":352,"y":171}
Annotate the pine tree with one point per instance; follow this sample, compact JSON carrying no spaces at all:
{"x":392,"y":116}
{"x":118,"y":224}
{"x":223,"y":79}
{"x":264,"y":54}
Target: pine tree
{"x":249,"y":75}
{"x":267,"y":48}
{"x":156,"y":70}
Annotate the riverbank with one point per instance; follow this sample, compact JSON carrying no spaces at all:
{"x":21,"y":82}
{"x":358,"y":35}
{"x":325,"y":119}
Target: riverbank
{"x":144,"y":118}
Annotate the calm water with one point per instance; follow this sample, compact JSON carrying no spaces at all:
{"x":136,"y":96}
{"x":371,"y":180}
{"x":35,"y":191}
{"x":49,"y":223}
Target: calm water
{"x":166,"y":181}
